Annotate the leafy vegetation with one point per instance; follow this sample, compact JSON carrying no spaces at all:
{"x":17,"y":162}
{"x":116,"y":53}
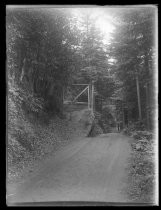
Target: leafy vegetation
{"x":133,"y":49}
{"x":39,"y":60}
{"x":142,"y":180}
{"x":92,"y":62}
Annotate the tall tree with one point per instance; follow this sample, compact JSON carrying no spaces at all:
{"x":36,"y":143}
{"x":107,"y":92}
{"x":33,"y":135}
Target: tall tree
{"x":132,"y":48}
{"x":39,"y":46}
{"x":93,"y":55}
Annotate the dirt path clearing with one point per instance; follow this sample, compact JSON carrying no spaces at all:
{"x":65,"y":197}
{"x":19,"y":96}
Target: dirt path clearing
{"x":91,"y":169}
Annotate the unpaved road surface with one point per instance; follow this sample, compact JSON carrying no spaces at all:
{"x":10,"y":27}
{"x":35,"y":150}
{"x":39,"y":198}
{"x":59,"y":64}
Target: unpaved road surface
{"x":91,"y":169}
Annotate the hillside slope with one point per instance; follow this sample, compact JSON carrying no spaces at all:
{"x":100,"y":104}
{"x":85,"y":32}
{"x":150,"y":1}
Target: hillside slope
{"x":38,"y":141}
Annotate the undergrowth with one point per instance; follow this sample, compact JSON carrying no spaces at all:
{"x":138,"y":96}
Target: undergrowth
{"x":141,"y":165}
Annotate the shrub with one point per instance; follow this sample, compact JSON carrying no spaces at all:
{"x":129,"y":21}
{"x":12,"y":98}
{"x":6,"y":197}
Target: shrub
{"x":136,"y":126}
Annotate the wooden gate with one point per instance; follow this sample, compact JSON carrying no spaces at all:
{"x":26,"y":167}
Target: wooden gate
{"x":87,"y":89}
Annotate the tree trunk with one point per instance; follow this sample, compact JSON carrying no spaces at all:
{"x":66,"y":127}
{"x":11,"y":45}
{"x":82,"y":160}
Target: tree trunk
{"x":23,"y":70}
{"x":92,"y":97}
{"x":147,"y":91}
{"x":61,"y":100}
{"x":138,"y":95}
{"x":123,"y":113}
{"x":147,"y":107}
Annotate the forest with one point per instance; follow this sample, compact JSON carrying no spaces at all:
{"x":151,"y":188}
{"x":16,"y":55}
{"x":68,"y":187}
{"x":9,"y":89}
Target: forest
{"x":49,"y":49}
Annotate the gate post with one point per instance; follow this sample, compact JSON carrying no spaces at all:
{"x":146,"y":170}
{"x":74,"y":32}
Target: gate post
{"x":88,"y":96}
{"x":90,"y":91}
{"x":91,"y":95}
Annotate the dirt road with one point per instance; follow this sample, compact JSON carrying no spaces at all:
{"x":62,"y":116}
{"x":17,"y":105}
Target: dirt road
{"x":91,"y":169}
